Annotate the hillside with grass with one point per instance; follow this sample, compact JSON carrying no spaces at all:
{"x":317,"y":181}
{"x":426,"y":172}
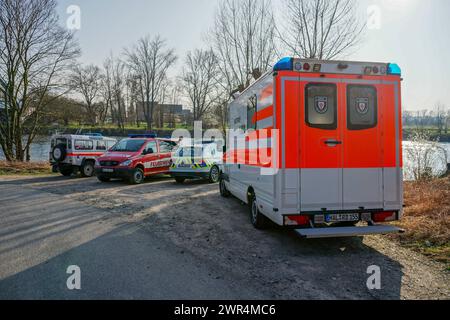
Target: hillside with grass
{"x":426,"y":218}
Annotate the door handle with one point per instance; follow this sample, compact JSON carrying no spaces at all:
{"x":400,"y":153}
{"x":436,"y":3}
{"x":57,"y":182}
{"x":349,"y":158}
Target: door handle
{"x":332,"y":142}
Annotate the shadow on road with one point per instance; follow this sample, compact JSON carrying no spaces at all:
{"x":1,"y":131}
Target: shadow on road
{"x":126,"y":263}
{"x":193,"y":245}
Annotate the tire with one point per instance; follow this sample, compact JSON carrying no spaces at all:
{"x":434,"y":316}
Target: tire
{"x":66,"y":172}
{"x":214,"y":174}
{"x":103,"y":179}
{"x":137,"y":177}
{"x":223,"y":188}
{"x":180,"y":179}
{"x":258,"y":220}
{"x":59,"y":152}
{"x":87,"y":169}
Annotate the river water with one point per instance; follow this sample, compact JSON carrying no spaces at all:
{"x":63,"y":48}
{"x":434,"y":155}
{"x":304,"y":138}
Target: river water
{"x":412,"y":152}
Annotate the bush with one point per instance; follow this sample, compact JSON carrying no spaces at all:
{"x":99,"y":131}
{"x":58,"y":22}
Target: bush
{"x":426,"y":158}
{"x":26,"y":168}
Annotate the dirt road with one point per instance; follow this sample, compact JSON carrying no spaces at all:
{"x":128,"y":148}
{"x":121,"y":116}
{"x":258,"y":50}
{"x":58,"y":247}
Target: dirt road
{"x":163,"y":240}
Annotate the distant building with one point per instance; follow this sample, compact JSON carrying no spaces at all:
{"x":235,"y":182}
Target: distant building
{"x":164,"y":114}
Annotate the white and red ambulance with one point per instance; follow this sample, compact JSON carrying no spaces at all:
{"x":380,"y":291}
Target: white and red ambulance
{"x":316,"y":146}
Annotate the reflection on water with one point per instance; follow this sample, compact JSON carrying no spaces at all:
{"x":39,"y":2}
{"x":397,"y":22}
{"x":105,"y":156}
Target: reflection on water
{"x":41,"y":147}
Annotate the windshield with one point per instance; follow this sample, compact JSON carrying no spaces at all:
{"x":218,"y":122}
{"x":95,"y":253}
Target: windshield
{"x":190,"y":152}
{"x":128,"y":145}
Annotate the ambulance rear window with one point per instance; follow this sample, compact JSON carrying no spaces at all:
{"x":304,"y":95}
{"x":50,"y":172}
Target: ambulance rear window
{"x":361,"y":107}
{"x":320,"y":106}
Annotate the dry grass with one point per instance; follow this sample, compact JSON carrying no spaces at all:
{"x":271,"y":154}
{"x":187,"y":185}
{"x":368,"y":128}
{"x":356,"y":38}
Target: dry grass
{"x":427,"y":218}
{"x":24,"y":168}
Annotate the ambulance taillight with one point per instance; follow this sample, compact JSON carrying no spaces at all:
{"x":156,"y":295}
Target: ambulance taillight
{"x":296,"y":220}
{"x":384,"y":216}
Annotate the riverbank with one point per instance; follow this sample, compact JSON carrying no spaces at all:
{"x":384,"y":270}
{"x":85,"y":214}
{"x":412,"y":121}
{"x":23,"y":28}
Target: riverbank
{"x":426,"y":218}
{"x":434,"y":135}
{"x":24,"y":168}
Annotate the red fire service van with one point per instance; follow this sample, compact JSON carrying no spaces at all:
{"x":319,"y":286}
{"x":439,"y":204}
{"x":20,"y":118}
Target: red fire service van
{"x":135,"y":158}
{"x":316,"y":146}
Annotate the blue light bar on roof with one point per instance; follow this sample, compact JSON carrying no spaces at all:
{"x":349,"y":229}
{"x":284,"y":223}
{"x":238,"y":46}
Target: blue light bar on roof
{"x":143,"y":135}
{"x":284,"y":64}
{"x":394,"y":69}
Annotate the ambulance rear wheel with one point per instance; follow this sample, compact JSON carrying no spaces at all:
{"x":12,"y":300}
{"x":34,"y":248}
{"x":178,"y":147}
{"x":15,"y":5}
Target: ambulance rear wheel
{"x":223,"y":189}
{"x":87,"y":169}
{"x":214,"y":175}
{"x":258,"y":220}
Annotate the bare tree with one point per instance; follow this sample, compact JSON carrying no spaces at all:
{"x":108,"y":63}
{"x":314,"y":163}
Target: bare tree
{"x":447,"y":121}
{"x":106,"y":87}
{"x":320,"y":29}
{"x":119,"y":87}
{"x":34,"y":52}
{"x":421,"y":120}
{"x":407,"y":117}
{"x":86,"y":80}
{"x":440,"y":114}
{"x":243,"y":40}
{"x":220,"y":111}
{"x":200,"y":83}
{"x":149,"y":61}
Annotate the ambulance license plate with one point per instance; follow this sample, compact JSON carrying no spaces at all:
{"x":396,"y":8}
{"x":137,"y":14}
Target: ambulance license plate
{"x":350,"y":217}
{"x":108,"y":170}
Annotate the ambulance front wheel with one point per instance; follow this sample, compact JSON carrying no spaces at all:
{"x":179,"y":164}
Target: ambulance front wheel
{"x":258,"y":220}
{"x":223,"y":189}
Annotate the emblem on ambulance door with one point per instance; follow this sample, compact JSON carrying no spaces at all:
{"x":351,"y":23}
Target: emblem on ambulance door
{"x":362,"y":105}
{"x":321,"y":104}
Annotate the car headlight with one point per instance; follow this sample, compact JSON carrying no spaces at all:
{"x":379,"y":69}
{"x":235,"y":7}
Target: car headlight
{"x":125,"y":163}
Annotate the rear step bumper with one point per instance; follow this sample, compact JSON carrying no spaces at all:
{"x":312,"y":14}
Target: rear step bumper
{"x":346,"y":231}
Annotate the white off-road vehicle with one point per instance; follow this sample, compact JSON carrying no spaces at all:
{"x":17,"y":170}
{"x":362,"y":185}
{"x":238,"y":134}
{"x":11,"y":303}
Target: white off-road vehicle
{"x":72,"y":153}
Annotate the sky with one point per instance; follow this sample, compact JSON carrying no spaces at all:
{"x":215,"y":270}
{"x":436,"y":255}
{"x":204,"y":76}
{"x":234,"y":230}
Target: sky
{"x":413,"y":33}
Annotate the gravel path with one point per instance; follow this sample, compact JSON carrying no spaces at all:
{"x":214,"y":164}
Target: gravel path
{"x":214,"y":237}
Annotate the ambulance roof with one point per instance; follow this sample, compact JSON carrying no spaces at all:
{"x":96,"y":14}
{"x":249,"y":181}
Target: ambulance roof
{"x":337,"y":67}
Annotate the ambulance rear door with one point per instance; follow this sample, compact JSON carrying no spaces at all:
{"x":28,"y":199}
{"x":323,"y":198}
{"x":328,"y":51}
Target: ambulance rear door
{"x":320,"y":145}
{"x":362,"y":144}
